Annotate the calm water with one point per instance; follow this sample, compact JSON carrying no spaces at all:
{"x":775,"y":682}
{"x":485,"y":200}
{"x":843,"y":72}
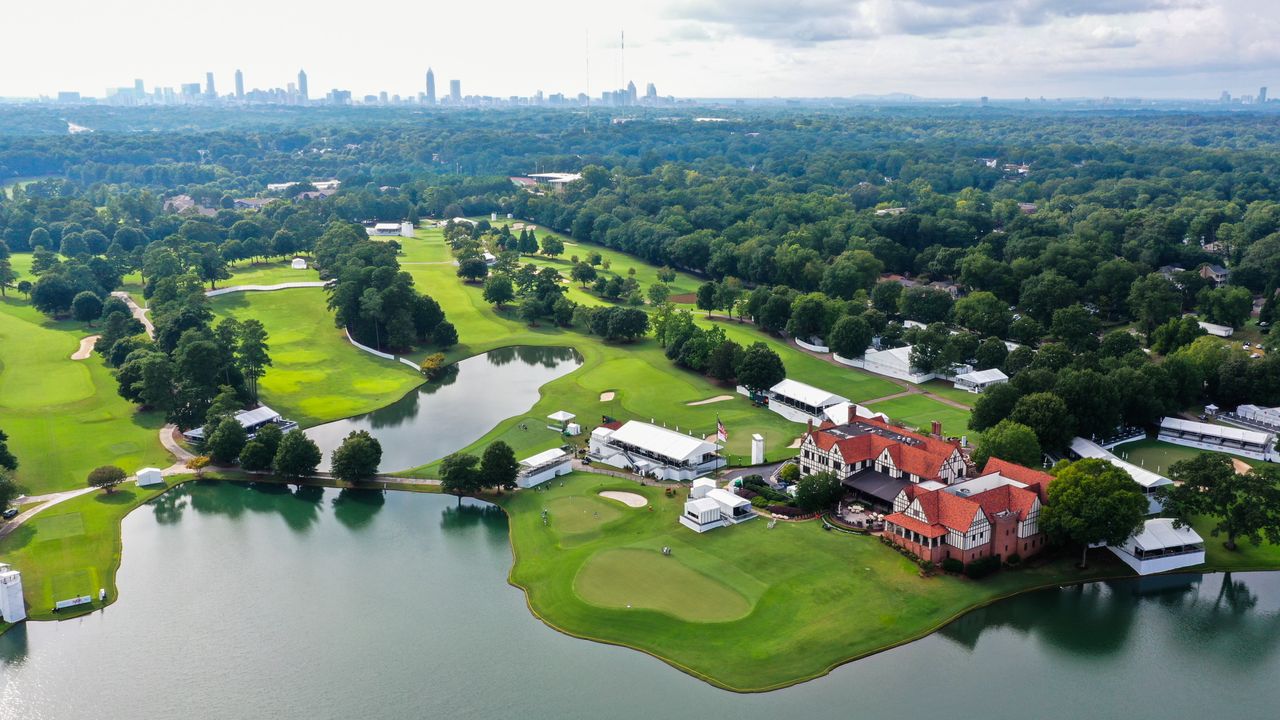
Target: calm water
{"x":455,"y":411}
{"x":245,"y":602}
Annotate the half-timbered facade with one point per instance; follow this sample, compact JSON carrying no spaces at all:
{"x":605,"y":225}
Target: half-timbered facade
{"x":870,"y":443}
{"x":995,"y":514}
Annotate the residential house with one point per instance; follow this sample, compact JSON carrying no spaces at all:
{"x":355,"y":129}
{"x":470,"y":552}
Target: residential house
{"x":1215,"y":273}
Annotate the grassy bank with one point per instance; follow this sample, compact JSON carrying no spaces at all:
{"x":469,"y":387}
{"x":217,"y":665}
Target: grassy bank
{"x":747,"y":608}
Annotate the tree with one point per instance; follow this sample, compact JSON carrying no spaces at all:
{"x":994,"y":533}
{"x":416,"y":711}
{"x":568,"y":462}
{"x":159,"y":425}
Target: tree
{"x":498,"y":466}
{"x":256,"y":456}
{"x":1047,"y":415}
{"x":1076,"y":327}
{"x":852,"y":270}
{"x":445,"y":335}
{"x":722,"y":362}
{"x":8,"y":489}
{"x":582,"y":273}
{"x":1227,"y":305}
{"x":7,"y":459}
{"x":983,"y":313}
{"x":472,"y":269}
{"x":706,"y":296}
{"x":1118,"y":343}
{"x":432,"y":365}
{"x":850,"y":336}
{"x":993,"y":405}
{"x":991,"y":353}
{"x":498,"y":290}
{"x":1153,"y":300}
{"x":357,"y":458}
{"x":552,"y":246}
{"x":925,"y":304}
{"x":460,"y":475}
{"x":297,"y":457}
{"x":760,"y":368}
{"x":106,"y":477}
{"x":1010,"y":441}
{"x":1244,"y":505}
{"x":1046,"y":292}
{"x":53,"y":294}
{"x":818,"y":491}
{"x":86,"y":307}
{"x":252,"y":355}
{"x":1092,"y":501}
{"x":225,"y":440}
{"x":658,"y":293}
{"x":885,"y":296}
{"x":7,"y":275}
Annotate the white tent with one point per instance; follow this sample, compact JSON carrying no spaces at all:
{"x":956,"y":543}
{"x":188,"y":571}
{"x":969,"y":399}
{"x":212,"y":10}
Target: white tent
{"x":299,"y":263}
{"x":1161,"y":547}
{"x":150,"y":476}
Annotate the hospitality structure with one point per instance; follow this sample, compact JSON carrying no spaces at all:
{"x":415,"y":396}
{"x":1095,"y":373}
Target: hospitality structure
{"x":993,"y":515}
{"x":400,"y":229}
{"x":1160,"y":547}
{"x":1148,"y":480}
{"x":709,"y":507}
{"x":653,"y":451}
{"x":251,"y":420}
{"x":979,"y":380}
{"x":537,"y":469}
{"x":801,"y":403}
{"x":1254,"y":444}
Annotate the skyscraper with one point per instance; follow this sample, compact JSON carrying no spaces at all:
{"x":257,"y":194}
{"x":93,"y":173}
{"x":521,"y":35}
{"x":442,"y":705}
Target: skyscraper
{"x":455,"y":91}
{"x":302,"y":85}
{"x":431,"y":87}
{"x":631,"y":93}
{"x":239,"y":85}
{"x":208,"y":85}
{"x":1262,"y":94}
{"x":651,"y":91}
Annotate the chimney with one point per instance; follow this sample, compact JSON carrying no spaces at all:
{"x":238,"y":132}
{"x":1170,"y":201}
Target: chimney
{"x":937,"y":429}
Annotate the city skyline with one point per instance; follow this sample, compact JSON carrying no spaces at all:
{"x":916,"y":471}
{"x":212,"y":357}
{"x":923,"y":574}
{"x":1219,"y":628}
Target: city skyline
{"x":689,"y":48}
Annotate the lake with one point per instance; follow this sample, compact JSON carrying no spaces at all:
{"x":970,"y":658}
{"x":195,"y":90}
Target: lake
{"x":243,"y":601}
{"x":448,"y":414}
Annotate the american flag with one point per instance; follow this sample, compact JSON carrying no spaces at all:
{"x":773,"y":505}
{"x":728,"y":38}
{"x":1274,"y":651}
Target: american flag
{"x":721,"y":434}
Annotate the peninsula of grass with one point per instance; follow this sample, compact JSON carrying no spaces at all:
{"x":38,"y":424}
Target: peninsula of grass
{"x":63,"y":416}
{"x":747,"y":608}
{"x":316,"y":375}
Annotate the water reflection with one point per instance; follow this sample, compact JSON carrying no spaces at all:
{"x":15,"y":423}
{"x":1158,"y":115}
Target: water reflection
{"x":14,"y":646}
{"x":1206,"y":614}
{"x":355,"y":508}
{"x":450,"y":413}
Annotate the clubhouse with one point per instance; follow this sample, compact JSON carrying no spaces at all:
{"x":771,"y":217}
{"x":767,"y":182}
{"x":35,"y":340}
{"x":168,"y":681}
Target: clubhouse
{"x":1220,"y":438}
{"x":653,"y":451}
{"x":993,"y":515}
{"x":877,"y":460}
{"x":251,"y":420}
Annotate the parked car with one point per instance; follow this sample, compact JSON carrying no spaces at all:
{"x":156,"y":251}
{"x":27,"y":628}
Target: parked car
{"x":10,"y":514}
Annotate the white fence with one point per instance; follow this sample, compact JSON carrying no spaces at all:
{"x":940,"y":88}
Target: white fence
{"x":366,"y":348}
{"x":812,"y":347}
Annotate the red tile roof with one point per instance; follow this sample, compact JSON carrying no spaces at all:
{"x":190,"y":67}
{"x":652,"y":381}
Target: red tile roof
{"x":1037,"y":479}
{"x":910,"y":523}
{"x":924,"y":459}
{"x":954,"y":512}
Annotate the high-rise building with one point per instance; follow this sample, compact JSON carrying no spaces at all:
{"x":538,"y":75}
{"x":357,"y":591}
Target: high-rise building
{"x":651,"y":91}
{"x":1262,"y":94}
{"x":631,"y":93}
{"x":431,"y":87}
{"x":137,"y":87}
{"x":239,"y":85}
{"x":208,"y":85}
{"x":302,"y":85}
{"x":455,"y":90}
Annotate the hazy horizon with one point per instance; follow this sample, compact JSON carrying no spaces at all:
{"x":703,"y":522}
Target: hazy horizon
{"x":1174,"y":49}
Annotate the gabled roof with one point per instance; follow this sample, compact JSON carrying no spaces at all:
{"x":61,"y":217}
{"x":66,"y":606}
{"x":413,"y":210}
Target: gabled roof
{"x":1159,"y":533}
{"x":661,"y":441}
{"x":1021,"y":473}
{"x":867,"y":438}
{"x":981,"y":377}
{"x":544,"y":457}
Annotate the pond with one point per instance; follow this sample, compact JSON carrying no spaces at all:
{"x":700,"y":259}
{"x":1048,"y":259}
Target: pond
{"x":257,"y":601}
{"x":448,"y":414}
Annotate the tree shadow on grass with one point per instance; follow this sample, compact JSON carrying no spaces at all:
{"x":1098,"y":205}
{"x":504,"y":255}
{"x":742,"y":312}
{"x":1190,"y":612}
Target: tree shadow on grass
{"x":119,"y":497}
{"x":19,"y":538}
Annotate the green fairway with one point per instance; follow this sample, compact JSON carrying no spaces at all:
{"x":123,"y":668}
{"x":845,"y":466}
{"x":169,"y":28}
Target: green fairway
{"x":630,"y":578}
{"x":316,"y":375}
{"x":948,"y":390}
{"x":575,"y":516}
{"x":1157,"y":456}
{"x":63,"y":416}
{"x":919,"y":411}
{"x":745,"y":607}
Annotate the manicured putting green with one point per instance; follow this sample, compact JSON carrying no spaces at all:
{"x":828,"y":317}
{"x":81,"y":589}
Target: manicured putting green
{"x":577,"y":515}
{"x":648,"y":580}
{"x":56,"y":527}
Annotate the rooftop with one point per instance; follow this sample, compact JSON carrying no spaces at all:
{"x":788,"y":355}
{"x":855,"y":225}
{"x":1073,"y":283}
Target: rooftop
{"x":1251,"y":437}
{"x":661,"y":441}
{"x":1160,"y":533}
{"x":807,"y":394}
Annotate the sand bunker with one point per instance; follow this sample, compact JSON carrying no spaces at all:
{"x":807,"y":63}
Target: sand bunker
{"x":708,"y":401}
{"x":606,"y":396}
{"x":86,"y":348}
{"x":627,"y":498}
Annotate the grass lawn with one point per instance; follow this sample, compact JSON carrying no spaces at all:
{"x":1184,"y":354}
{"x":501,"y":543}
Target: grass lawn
{"x":1157,"y":456}
{"x":63,"y":416}
{"x":743,"y":607}
{"x":942,"y":388}
{"x":73,"y":549}
{"x":919,"y":411}
{"x":316,"y":375}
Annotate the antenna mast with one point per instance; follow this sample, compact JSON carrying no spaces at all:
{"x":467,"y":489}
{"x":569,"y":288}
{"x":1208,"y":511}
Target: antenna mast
{"x":587,"y":50}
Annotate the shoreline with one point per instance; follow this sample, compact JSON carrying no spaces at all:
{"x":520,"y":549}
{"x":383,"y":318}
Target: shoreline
{"x":543,"y":617}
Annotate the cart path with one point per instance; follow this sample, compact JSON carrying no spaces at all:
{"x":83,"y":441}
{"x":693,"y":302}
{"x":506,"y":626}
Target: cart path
{"x":139,"y":312}
{"x":265,"y":288}
{"x":43,"y":502}
{"x":86,"y":348}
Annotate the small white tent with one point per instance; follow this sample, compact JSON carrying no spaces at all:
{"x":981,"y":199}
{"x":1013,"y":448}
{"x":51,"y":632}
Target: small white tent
{"x":299,"y":263}
{"x":150,"y":476}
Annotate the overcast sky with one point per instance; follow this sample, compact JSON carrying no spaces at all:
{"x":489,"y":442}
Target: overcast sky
{"x":703,"y":48}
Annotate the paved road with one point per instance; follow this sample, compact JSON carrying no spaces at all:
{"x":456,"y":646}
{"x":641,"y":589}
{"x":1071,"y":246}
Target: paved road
{"x":45,"y":502}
